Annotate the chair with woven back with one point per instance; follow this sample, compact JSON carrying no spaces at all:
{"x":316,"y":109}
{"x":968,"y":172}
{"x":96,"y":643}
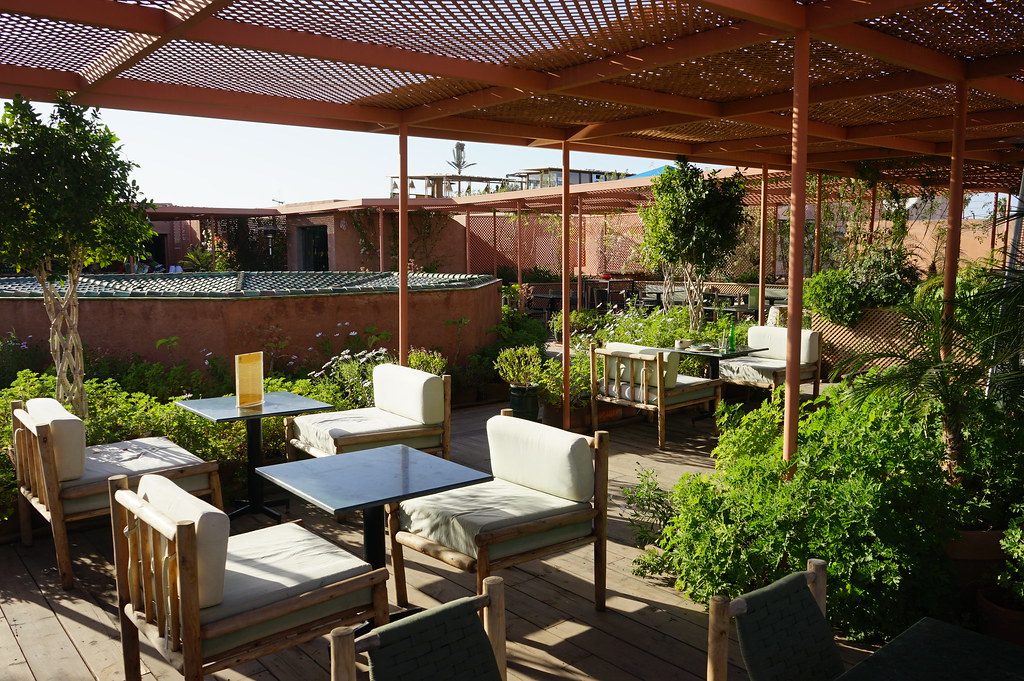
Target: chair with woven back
{"x":782,"y":630}
{"x":447,"y":642}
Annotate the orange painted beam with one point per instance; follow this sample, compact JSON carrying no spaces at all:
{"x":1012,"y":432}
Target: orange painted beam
{"x":935,"y":124}
{"x":776,"y":13}
{"x":673,"y":52}
{"x":627,"y":125}
{"x":838,"y":12}
{"x":480,"y":99}
{"x":622,"y":94}
{"x":103,"y":13}
{"x":894,"y":51}
{"x":312,"y":46}
{"x":495,"y":128}
{"x":1007,"y":88}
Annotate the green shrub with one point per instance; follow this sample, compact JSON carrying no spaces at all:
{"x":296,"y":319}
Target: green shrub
{"x":584,"y":321}
{"x":549,"y":380}
{"x":17,"y":354}
{"x":865,"y":491}
{"x":833,"y":295}
{"x":431,"y":361}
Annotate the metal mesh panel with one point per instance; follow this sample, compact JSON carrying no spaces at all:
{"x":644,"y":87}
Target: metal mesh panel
{"x":47,"y":44}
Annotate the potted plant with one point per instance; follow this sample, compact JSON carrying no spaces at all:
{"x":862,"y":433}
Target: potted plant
{"x":1001,"y":607}
{"x":520,"y":367}
{"x":579,"y":390}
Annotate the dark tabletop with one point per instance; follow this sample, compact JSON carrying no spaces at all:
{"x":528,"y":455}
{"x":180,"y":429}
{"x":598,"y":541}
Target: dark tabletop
{"x":371,"y":477}
{"x":221,"y":409}
{"x":932,"y":650}
{"x":740,"y":351}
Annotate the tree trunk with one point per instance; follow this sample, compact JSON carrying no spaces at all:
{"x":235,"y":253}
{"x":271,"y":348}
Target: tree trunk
{"x":65,"y":342}
{"x":953,"y":438}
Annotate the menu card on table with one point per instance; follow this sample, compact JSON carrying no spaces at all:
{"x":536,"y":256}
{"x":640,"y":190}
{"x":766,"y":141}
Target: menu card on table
{"x":249,"y":379}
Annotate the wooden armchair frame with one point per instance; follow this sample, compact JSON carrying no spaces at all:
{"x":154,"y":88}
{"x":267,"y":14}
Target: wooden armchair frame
{"x":35,"y":464}
{"x":652,"y":366}
{"x":483,"y":565}
{"x":158,"y":595}
{"x":294,"y":445}
{"x":721,"y":610}
{"x":345,"y":647}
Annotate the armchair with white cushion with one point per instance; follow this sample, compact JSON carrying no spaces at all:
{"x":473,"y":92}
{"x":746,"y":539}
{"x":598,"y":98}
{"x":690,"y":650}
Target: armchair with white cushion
{"x":767,"y":368}
{"x":549,"y":495}
{"x":410,"y":407}
{"x":207,"y":601}
{"x":63,"y":480}
{"x":647,"y":379}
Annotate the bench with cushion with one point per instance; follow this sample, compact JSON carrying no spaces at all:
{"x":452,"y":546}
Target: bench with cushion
{"x":207,"y":600}
{"x":410,"y":407}
{"x":648,"y":379}
{"x":549,"y":494}
{"x":767,"y":368}
{"x":64,"y":481}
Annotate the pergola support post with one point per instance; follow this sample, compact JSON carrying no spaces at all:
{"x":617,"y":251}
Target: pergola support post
{"x":519,"y":250}
{"x":403,"y":244}
{"x":566,"y":340}
{"x":762,"y":269}
{"x":380,"y":237}
{"x":955,"y":218}
{"x":797,"y":214}
{"x":817,"y":227}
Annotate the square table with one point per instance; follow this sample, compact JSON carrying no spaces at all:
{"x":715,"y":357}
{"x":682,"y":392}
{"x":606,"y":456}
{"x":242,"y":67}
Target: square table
{"x":932,"y":649}
{"x":368,"y":479}
{"x":713,"y":356}
{"x":224,"y":409}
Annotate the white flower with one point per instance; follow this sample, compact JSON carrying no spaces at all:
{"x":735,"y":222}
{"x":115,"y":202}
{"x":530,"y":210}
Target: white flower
{"x":320,"y":333}
{"x":346,"y":324}
{"x":353,"y":333}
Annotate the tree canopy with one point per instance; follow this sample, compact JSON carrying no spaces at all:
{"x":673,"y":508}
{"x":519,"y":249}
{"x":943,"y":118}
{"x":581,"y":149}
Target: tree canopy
{"x":694,"y":224}
{"x":67,"y":201}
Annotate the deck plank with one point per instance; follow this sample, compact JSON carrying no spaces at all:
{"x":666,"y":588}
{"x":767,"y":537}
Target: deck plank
{"x":554,"y":633}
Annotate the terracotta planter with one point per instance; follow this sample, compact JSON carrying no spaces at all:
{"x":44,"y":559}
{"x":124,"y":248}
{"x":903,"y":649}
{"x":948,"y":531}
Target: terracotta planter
{"x":998,"y":620}
{"x":976,"y":556}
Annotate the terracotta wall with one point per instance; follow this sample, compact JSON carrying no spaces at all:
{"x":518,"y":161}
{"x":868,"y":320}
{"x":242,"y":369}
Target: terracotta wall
{"x":227,"y":326}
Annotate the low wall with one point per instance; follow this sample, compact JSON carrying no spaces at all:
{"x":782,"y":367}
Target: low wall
{"x":310,"y":327}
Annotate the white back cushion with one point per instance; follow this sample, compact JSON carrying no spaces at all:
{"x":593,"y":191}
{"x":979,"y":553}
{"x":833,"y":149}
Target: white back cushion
{"x":671,"y":363}
{"x":549,"y":460}
{"x":67,"y":432}
{"x":774,"y":338}
{"x":411,"y":393}
{"x":212,"y":529}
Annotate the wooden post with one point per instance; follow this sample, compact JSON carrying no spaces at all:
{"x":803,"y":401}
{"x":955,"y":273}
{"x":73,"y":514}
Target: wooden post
{"x":871,"y":216}
{"x":494,"y":620}
{"x":955,"y":218}
{"x":468,"y":241}
{"x":995,"y":220}
{"x":566,"y":340}
{"x":343,"y":654}
{"x":817,"y":227}
{"x":579,"y":254}
{"x":819,"y":584}
{"x":380,"y":236}
{"x":403,"y":244}
{"x":519,"y":250}
{"x":494,"y":242}
{"x":797,"y":211}
{"x":762,"y":269}
{"x":718,"y":639}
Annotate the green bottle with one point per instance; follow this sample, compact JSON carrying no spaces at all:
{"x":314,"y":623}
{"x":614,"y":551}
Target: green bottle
{"x":732,"y":335}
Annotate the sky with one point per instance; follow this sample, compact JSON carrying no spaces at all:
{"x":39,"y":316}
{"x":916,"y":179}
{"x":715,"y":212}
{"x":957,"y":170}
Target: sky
{"x":190,"y":161}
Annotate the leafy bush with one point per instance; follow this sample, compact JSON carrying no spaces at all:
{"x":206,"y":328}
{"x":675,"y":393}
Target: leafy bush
{"x":1011,"y":579}
{"x":865,"y":491}
{"x":549,"y":380}
{"x":348,"y":377}
{"x":834,"y":295}
{"x":882,"y":277}
{"x":431,"y":361}
{"x":17,"y":354}
{"x":583,"y":321}
{"x":520,"y":365}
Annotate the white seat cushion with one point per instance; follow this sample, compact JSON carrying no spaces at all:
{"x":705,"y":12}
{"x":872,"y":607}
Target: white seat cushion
{"x":67,"y":433}
{"x":774,"y":338}
{"x":132,"y":457}
{"x":409,"y":393}
{"x":670,"y":363}
{"x":695,"y":389}
{"x":327,"y":431}
{"x":455,"y":517}
{"x":758,"y":370}
{"x":275,"y":563}
{"x":543,"y":458}
{"x":212,"y":530}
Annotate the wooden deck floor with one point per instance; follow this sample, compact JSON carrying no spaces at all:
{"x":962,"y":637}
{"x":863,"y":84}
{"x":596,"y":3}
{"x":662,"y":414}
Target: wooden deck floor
{"x":648,"y":631}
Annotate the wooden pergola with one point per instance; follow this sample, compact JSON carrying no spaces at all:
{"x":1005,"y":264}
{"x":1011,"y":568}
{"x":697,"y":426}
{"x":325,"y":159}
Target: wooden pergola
{"x":780,"y":84}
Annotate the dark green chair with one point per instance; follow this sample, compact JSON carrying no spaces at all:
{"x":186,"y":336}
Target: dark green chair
{"x":447,"y":642}
{"x":782,"y":630}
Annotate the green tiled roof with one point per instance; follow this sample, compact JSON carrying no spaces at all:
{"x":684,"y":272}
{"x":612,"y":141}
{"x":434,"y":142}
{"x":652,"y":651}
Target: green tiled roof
{"x":237,"y":284}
